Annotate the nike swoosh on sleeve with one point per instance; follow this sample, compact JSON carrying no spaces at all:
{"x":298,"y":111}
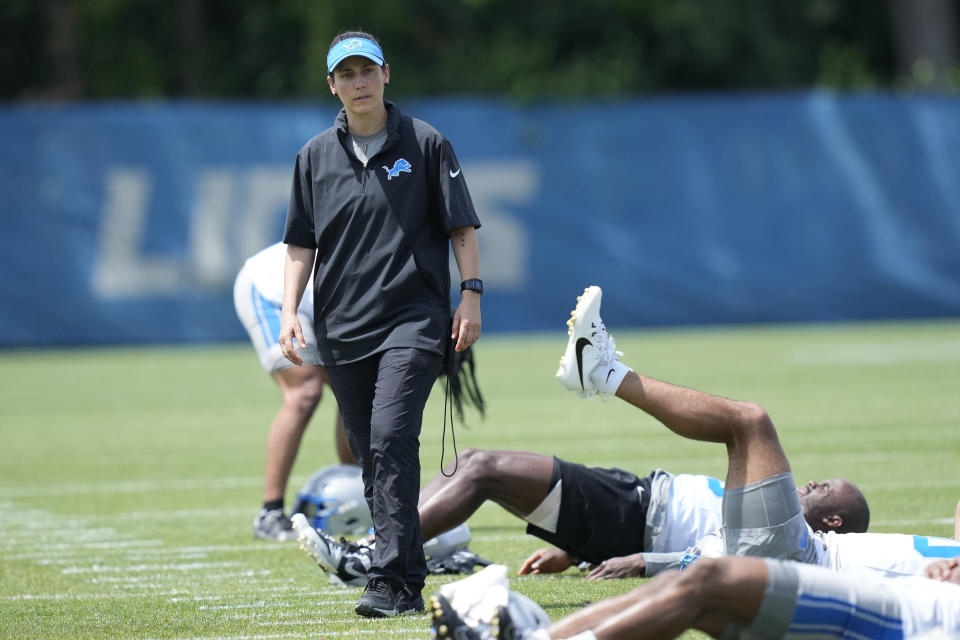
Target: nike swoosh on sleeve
{"x":454,"y":174}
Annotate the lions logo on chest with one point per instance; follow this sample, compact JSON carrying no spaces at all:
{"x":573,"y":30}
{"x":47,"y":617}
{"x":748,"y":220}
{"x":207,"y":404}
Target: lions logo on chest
{"x":400,"y":166}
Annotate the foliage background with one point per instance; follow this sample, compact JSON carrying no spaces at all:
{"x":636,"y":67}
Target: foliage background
{"x":108,"y":49}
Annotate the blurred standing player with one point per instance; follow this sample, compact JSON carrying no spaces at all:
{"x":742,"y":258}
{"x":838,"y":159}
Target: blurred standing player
{"x":376,"y":201}
{"x":257,"y":296}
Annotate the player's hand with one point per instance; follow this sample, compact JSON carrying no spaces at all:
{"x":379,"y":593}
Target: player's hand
{"x":466,"y":320}
{"x":947,"y":570}
{"x":291,"y":331}
{"x":547,"y":560}
{"x":632,"y":566}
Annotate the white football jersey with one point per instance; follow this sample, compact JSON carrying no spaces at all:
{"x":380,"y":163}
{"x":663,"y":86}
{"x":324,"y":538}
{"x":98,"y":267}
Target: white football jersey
{"x":928,"y":604}
{"x":893,"y":554}
{"x":265,"y":269}
{"x":694,"y":510}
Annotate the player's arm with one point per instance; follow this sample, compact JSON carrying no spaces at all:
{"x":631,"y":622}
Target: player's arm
{"x":547,"y":560}
{"x":466,"y":319}
{"x":632,"y":566}
{"x":296,"y":273}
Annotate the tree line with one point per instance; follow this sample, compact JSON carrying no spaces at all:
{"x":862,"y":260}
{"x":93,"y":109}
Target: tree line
{"x":241,"y":49}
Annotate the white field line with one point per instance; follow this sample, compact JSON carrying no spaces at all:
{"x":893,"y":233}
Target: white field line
{"x":144,"y":486}
{"x":65,"y":553}
{"x":915,"y":483}
{"x":269,"y":616}
{"x":245,"y":573}
{"x":911,"y":522}
{"x":82,"y":547}
{"x":73,"y":533}
{"x":26,"y":522}
{"x":176,"y":595}
{"x":260,"y":604}
{"x":174,"y":514}
{"x":187,"y":566}
{"x":878,"y":353}
{"x":418,"y":632}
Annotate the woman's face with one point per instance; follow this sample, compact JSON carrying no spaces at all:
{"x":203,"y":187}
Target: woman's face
{"x":359,"y":83}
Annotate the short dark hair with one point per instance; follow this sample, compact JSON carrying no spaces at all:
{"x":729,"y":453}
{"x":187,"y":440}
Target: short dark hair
{"x":855,"y":513}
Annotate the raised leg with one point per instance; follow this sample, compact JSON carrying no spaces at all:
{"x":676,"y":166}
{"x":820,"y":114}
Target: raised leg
{"x":753,"y":447}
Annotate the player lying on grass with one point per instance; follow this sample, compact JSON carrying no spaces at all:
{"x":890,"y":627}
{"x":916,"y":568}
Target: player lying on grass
{"x":763,"y":513}
{"x":591,"y":514}
{"x":730,"y":597}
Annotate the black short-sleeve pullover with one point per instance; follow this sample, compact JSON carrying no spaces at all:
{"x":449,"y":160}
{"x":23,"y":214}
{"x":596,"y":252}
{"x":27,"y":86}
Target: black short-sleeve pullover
{"x":381,"y":231}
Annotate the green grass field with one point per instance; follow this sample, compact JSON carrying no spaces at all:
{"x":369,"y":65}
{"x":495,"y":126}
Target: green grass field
{"x":129,"y":478}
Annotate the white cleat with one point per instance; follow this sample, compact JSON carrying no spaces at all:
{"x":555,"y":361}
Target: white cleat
{"x":588,"y":346}
{"x":477,"y":596}
{"x":346,"y":562}
{"x":482,"y":607}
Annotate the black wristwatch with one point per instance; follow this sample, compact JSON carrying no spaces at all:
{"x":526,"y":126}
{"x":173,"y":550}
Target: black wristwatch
{"x":472,"y":284}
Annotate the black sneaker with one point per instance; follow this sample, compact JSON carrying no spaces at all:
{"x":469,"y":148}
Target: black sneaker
{"x":412,"y":601}
{"x":380,"y":599}
{"x":447,"y":623}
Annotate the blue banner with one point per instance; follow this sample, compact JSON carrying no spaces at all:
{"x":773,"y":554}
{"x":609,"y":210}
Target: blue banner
{"x":127,"y":222}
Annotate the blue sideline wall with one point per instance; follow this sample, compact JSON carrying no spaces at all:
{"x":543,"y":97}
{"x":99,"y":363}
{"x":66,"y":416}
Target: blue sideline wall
{"x":127,"y":222}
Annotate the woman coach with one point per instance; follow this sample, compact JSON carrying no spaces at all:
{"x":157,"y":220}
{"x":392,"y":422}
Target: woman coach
{"x":375,"y":200}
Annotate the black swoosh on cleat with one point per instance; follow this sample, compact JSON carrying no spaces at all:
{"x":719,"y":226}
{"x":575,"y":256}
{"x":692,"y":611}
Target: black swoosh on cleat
{"x":581,"y":343}
{"x":608,"y":374}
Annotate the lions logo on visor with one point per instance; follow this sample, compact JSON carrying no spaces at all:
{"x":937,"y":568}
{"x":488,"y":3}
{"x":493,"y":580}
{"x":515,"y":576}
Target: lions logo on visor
{"x":350,"y":45}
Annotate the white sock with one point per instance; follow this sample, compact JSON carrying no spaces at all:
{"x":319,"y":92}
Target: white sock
{"x":539,"y":634}
{"x":584,"y":635}
{"x":608,"y":377}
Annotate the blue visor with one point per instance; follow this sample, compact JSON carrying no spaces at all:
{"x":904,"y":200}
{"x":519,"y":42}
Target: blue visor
{"x":353,"y":47}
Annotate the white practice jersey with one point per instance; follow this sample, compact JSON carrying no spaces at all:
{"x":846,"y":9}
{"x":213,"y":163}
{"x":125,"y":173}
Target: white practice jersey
{"x":893,"y":554}
{"x":693,"y":510}
{"x":928,"y":604}
{"x":265,"y":270}
{"x":830,"y":605}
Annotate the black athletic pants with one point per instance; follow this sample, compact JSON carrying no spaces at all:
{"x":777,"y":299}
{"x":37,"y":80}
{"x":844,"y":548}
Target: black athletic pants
{"x":382,"y":399}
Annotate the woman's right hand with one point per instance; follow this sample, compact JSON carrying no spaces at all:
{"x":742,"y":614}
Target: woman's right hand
{"x":291,"y":331}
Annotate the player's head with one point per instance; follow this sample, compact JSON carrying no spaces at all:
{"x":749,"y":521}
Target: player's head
{"x":834,"y":505}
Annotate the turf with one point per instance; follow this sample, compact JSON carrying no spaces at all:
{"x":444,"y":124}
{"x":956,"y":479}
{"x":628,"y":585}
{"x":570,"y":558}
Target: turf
{"x":129,"y":477}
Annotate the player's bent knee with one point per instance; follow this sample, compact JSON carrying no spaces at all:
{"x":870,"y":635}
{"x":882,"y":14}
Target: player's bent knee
{"x":477,"y":462}
{"x":756,"y":421}
{"x":705,"y":579}
{"x":304,"y":398}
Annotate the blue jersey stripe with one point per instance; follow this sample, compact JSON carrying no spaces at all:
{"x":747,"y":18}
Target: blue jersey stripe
{"x":269,"y":317}
{"x":826,"y":615}
{"x":716,"y":486}
{"x":942,"y":547}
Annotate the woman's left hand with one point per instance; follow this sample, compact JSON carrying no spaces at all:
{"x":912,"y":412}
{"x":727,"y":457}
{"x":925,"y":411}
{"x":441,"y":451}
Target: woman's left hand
{"x":466,"y":320}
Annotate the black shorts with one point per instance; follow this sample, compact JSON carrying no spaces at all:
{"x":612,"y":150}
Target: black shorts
{"x":601,"y":514}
